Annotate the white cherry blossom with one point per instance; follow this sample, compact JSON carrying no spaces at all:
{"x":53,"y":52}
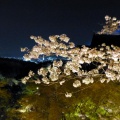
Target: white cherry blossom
{"x":45,"y":80}
{"x":108,"y":58}
{"x":88,"y":80}
{"x":37,"y":81}
{"x":77,"y":83}
{"x":68,"y":94}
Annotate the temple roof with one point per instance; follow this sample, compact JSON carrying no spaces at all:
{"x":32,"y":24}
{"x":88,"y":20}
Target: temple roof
{"x":111,"y":39}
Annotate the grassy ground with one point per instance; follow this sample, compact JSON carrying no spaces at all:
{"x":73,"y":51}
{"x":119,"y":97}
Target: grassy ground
{"x":97,"y":101}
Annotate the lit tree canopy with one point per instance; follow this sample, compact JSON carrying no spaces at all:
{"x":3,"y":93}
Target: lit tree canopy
{"x":111,"y":25}
{"x":108,"y":58}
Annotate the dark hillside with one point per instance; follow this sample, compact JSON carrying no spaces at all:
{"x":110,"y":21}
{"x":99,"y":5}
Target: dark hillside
{"x":14,"y":68}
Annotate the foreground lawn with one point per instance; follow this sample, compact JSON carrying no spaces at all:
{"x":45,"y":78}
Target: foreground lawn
{"x":97,"y":101}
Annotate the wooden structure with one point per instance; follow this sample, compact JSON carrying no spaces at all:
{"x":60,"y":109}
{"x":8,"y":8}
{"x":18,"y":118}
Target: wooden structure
{"x":98,"y":39}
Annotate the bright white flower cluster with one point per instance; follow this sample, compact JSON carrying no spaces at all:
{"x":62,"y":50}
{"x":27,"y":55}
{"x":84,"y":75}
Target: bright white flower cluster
{"x":88,"y":80}
{"x":106,"y":60}
{"x":26,"y":78}
{"x":57,"y":44}
{"x":42,"y":71}
{"x":110,"y":26}
{"x":68,"y":94}
{"x":76,"y":83}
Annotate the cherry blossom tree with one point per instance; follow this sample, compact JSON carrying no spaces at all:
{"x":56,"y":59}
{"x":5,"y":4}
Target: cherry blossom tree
{"x":108,"y":58}
{"x":110,"y":26}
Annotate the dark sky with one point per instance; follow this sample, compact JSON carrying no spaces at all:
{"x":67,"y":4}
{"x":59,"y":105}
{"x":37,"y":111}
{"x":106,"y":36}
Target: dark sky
{"x":77,"y":18}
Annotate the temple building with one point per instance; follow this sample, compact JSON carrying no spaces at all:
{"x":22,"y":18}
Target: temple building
{"x":107,"y":39}
{"x":110,"y":34}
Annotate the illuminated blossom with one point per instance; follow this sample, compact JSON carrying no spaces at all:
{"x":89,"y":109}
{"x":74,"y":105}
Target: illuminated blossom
{"x":42,"y":71}
{"x":109,"y":73}
{"x":37,"y":81}
{"x":76,"y":83}
{"x":45,"y":80}
{"x":88,"y":80}
{"x":71,"y":45}
{"x":31,"y":73}
{"x":107,"y":17}
{"x":108,"y":58}
{"x":68,"y":94}
{"x":53,"y":38}
{"x":25,"y":79}
{"x":111,"y":25}
{"x":57,"y":63}
{"x":24,"y":49}
{"x":67,"y":71}
{"x":53,"y":77}
{"x":102,"y":80}
{"x":64,"y":38}
{"x":61,"y":82}
{"x":114,"y":18}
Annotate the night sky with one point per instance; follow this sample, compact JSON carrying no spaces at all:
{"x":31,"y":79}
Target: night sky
{"x":79,"y":19}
